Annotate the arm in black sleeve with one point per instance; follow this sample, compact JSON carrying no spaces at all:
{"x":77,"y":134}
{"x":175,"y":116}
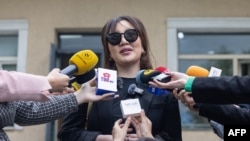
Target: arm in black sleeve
{"x":73,"y":127}
{"x":172,"y":121}
{"x":225,"y":114}
{"x":221,"y":90}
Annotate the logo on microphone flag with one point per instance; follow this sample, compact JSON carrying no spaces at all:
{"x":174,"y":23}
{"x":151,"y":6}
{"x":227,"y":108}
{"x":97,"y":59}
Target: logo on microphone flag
{"x":106,"y":81}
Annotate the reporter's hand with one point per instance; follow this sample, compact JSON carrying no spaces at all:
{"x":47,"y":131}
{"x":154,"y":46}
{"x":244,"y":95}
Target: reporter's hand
{"x":88,"y":94}
{"x":58,"y":81}
{"x":186,"y":98}
{"x":132,"y":137}
{"x":119,"y":130}
{"x":143,"y":126}
{"x":178,"y":80}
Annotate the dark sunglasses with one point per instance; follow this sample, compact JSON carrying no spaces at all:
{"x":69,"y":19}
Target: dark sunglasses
{"x":115,"y":38}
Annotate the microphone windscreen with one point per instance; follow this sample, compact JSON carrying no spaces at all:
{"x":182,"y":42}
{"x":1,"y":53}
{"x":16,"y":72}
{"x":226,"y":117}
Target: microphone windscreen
{"x":131,"y":89}
{"x":197,"y":71}
{"x":84,"y":61}
{"x":80,"y":79}
{"x":144,"y":76}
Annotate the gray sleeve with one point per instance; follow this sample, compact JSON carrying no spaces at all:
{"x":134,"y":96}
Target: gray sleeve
{"x":32,"y":113}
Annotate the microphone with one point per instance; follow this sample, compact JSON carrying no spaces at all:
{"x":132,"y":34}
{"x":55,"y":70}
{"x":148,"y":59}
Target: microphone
{"x":144,"y":76}
{"x":80,"y":79}
{"x":80,"y":63}
{"x":133,"y":89}
{"x":197,"y":71}
{"x":165,"y":78}
{"x":162,"y":69}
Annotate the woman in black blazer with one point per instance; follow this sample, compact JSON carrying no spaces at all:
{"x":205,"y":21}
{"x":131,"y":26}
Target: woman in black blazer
{"x":127,"y":51}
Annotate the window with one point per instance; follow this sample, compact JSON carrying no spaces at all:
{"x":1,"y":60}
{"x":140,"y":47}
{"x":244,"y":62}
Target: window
{"x":70,"y":43}
{"x":8,"y":45}
{"x":219,"y":42}
{"x":13,"y":46}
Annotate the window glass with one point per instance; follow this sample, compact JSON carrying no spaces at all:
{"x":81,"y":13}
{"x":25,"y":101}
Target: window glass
{"x":214,"y":43}
{"x":9,"y":67}
{"x":225,"y":65}
{"x":71,"y":43}
{"x":80,"y":41}
{"x":209,"y":44}
{"x":8,"y":45}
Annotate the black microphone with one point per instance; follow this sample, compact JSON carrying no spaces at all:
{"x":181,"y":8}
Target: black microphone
{"x":80,"y":63}
{"x":80,"y":79}
{"x":133,"y":89}
{"x":144,"y":76}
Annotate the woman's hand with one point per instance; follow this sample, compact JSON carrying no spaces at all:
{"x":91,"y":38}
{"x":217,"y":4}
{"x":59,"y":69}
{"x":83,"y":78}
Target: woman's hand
{"x":119,"y":131}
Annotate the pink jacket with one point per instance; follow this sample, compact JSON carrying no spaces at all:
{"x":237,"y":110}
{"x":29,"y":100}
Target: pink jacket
{"x":15,"y":86}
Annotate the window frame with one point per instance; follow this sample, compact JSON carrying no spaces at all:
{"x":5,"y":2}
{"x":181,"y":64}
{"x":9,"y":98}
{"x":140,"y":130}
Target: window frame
{"x":212,"y":25}
{"x":19,"y":28}
{"x":207,"y":25}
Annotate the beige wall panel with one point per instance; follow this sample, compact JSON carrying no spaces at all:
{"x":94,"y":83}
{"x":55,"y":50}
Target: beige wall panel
{"x":30,"y":133}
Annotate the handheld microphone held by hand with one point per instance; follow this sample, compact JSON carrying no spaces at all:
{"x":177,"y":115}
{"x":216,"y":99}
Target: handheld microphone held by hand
{"x":80,"y":63}
{"x":197,"y":71}
{"x":163,"y":77}
{"x":144,"y":76}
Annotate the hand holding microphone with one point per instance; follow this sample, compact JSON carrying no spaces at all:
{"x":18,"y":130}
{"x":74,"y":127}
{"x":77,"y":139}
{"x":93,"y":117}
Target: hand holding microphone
{"x":57,"y":80}
{"x":186,"y":97}
{"x":81,"y":64}
{"x":178,"y":80}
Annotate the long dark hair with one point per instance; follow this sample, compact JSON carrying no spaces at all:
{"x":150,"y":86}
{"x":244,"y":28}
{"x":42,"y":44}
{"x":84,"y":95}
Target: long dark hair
{"x":110,"y":26}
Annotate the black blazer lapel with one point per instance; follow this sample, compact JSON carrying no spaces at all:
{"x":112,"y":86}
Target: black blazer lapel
{"x":145,"y":101}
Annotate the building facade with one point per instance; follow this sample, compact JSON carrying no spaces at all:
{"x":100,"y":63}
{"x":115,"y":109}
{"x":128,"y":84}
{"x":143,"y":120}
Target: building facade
{"x":31,"y":30}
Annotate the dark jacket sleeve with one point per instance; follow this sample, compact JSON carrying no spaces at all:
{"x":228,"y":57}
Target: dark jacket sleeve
{"x":225,"y":114}
{"x":73,"y":127}
{"x":221,"y":90}
{"x":172,"y":122}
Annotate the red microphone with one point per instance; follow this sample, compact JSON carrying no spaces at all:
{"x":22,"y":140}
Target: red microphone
{"x":162,"y":69}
